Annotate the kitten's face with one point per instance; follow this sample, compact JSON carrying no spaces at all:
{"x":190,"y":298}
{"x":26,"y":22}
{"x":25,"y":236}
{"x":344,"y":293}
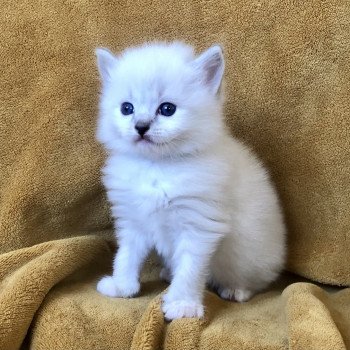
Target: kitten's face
{"x":158,"y":100}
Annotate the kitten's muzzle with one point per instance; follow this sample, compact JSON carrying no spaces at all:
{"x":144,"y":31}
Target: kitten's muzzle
{"x":142,"y":128}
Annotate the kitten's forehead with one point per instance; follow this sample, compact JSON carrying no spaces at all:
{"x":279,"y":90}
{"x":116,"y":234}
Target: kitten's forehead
{"x":153,"y":69}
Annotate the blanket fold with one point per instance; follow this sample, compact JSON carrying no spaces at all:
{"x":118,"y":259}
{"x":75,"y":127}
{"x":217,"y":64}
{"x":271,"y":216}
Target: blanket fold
{"x":28,"y":274}
{"x":292,"y":314}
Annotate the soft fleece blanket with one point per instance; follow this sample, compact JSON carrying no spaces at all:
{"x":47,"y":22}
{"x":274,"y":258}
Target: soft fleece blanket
{"x":288,"y":96}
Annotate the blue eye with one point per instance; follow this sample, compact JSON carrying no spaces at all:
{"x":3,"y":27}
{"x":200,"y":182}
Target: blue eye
{"x":167,"y":109}
{"x":127,"y":108}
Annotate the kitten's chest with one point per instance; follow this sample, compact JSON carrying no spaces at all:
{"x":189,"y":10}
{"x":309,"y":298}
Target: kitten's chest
{"x":143,"y":186}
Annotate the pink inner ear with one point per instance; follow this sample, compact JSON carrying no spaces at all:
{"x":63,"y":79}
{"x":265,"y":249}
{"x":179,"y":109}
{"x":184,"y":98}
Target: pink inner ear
{"x":211,"y":63}
{"x":106,"y":61}
{"x":212,"y":66}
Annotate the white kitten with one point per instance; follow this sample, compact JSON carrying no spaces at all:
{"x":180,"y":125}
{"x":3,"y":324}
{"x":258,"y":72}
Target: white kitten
{"x":179,"y":183}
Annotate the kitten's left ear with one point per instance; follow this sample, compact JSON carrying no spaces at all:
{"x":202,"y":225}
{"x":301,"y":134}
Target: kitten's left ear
{"x":211,"y":63}
{"x":106,"y":61}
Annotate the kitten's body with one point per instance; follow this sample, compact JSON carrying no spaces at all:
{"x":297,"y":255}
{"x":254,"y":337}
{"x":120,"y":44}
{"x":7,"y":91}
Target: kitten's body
{"x":197,"y":196}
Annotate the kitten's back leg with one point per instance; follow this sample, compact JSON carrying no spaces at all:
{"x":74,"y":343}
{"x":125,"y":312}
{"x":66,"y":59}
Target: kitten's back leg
{"x":244,"y":265}
{"x":237,"y":294}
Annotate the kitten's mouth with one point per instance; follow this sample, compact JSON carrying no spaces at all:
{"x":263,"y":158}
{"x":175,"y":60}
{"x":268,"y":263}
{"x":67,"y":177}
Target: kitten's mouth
{"x":145,"y":140}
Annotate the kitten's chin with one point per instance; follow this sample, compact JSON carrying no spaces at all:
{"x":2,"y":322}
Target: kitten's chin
{"x":154,"y":148}
{"x":145,"y":144}
{"x":150,"y":147}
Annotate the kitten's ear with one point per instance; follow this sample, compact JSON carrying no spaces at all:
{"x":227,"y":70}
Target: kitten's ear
{"x":211,"y":63}
{"x":106,"y":61}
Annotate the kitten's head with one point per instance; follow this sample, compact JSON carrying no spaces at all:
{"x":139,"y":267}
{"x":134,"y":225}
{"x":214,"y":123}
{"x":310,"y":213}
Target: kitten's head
{"x":159,"y":100}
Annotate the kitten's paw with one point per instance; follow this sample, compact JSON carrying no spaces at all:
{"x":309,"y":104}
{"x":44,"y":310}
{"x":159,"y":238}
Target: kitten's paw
{"x":240,"y":295}
{"x":109,"y":287}
{"x":182,"y":308}
{"x":165,"y":275}
{"x":106,"y":286}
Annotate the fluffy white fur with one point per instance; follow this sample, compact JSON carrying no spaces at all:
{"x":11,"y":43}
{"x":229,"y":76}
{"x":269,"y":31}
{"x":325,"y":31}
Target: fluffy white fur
{"x":191,"y":191}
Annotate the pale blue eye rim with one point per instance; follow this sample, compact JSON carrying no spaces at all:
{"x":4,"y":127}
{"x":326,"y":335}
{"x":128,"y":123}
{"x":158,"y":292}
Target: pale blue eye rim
{"x":126,"y":108}
{"x":167,"y":109}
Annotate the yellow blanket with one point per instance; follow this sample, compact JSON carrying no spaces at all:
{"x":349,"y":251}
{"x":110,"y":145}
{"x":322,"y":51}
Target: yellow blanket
{"x":287,"y":88}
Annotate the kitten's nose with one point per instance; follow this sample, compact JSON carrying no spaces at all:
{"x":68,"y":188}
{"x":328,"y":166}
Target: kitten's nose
{"x":142,"y":128}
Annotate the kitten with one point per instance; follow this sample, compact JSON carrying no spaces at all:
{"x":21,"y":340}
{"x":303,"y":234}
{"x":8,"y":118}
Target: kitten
{"x":177,"y":181}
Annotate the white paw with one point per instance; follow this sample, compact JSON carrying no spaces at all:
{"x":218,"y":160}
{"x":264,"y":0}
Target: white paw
{"x":237,"y":294}
{"x":165,"y":275}
{"x":182,"y":308}
{"x":109,"y":287}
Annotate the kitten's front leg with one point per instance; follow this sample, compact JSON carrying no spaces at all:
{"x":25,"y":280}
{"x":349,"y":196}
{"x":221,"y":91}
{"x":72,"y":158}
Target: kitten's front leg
{"x":191,"y":262}
{"x":133,"y":249}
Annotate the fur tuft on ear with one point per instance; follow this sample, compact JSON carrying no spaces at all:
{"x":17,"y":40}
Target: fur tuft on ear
{"x":106,"y":61}
{"x":211,"y":63}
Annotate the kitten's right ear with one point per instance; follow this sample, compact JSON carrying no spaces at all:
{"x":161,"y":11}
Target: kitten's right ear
{"x":106,"y":61}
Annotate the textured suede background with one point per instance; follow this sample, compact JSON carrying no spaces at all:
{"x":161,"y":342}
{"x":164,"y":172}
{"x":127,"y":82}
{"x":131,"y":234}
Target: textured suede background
{"x":287,"y":84}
